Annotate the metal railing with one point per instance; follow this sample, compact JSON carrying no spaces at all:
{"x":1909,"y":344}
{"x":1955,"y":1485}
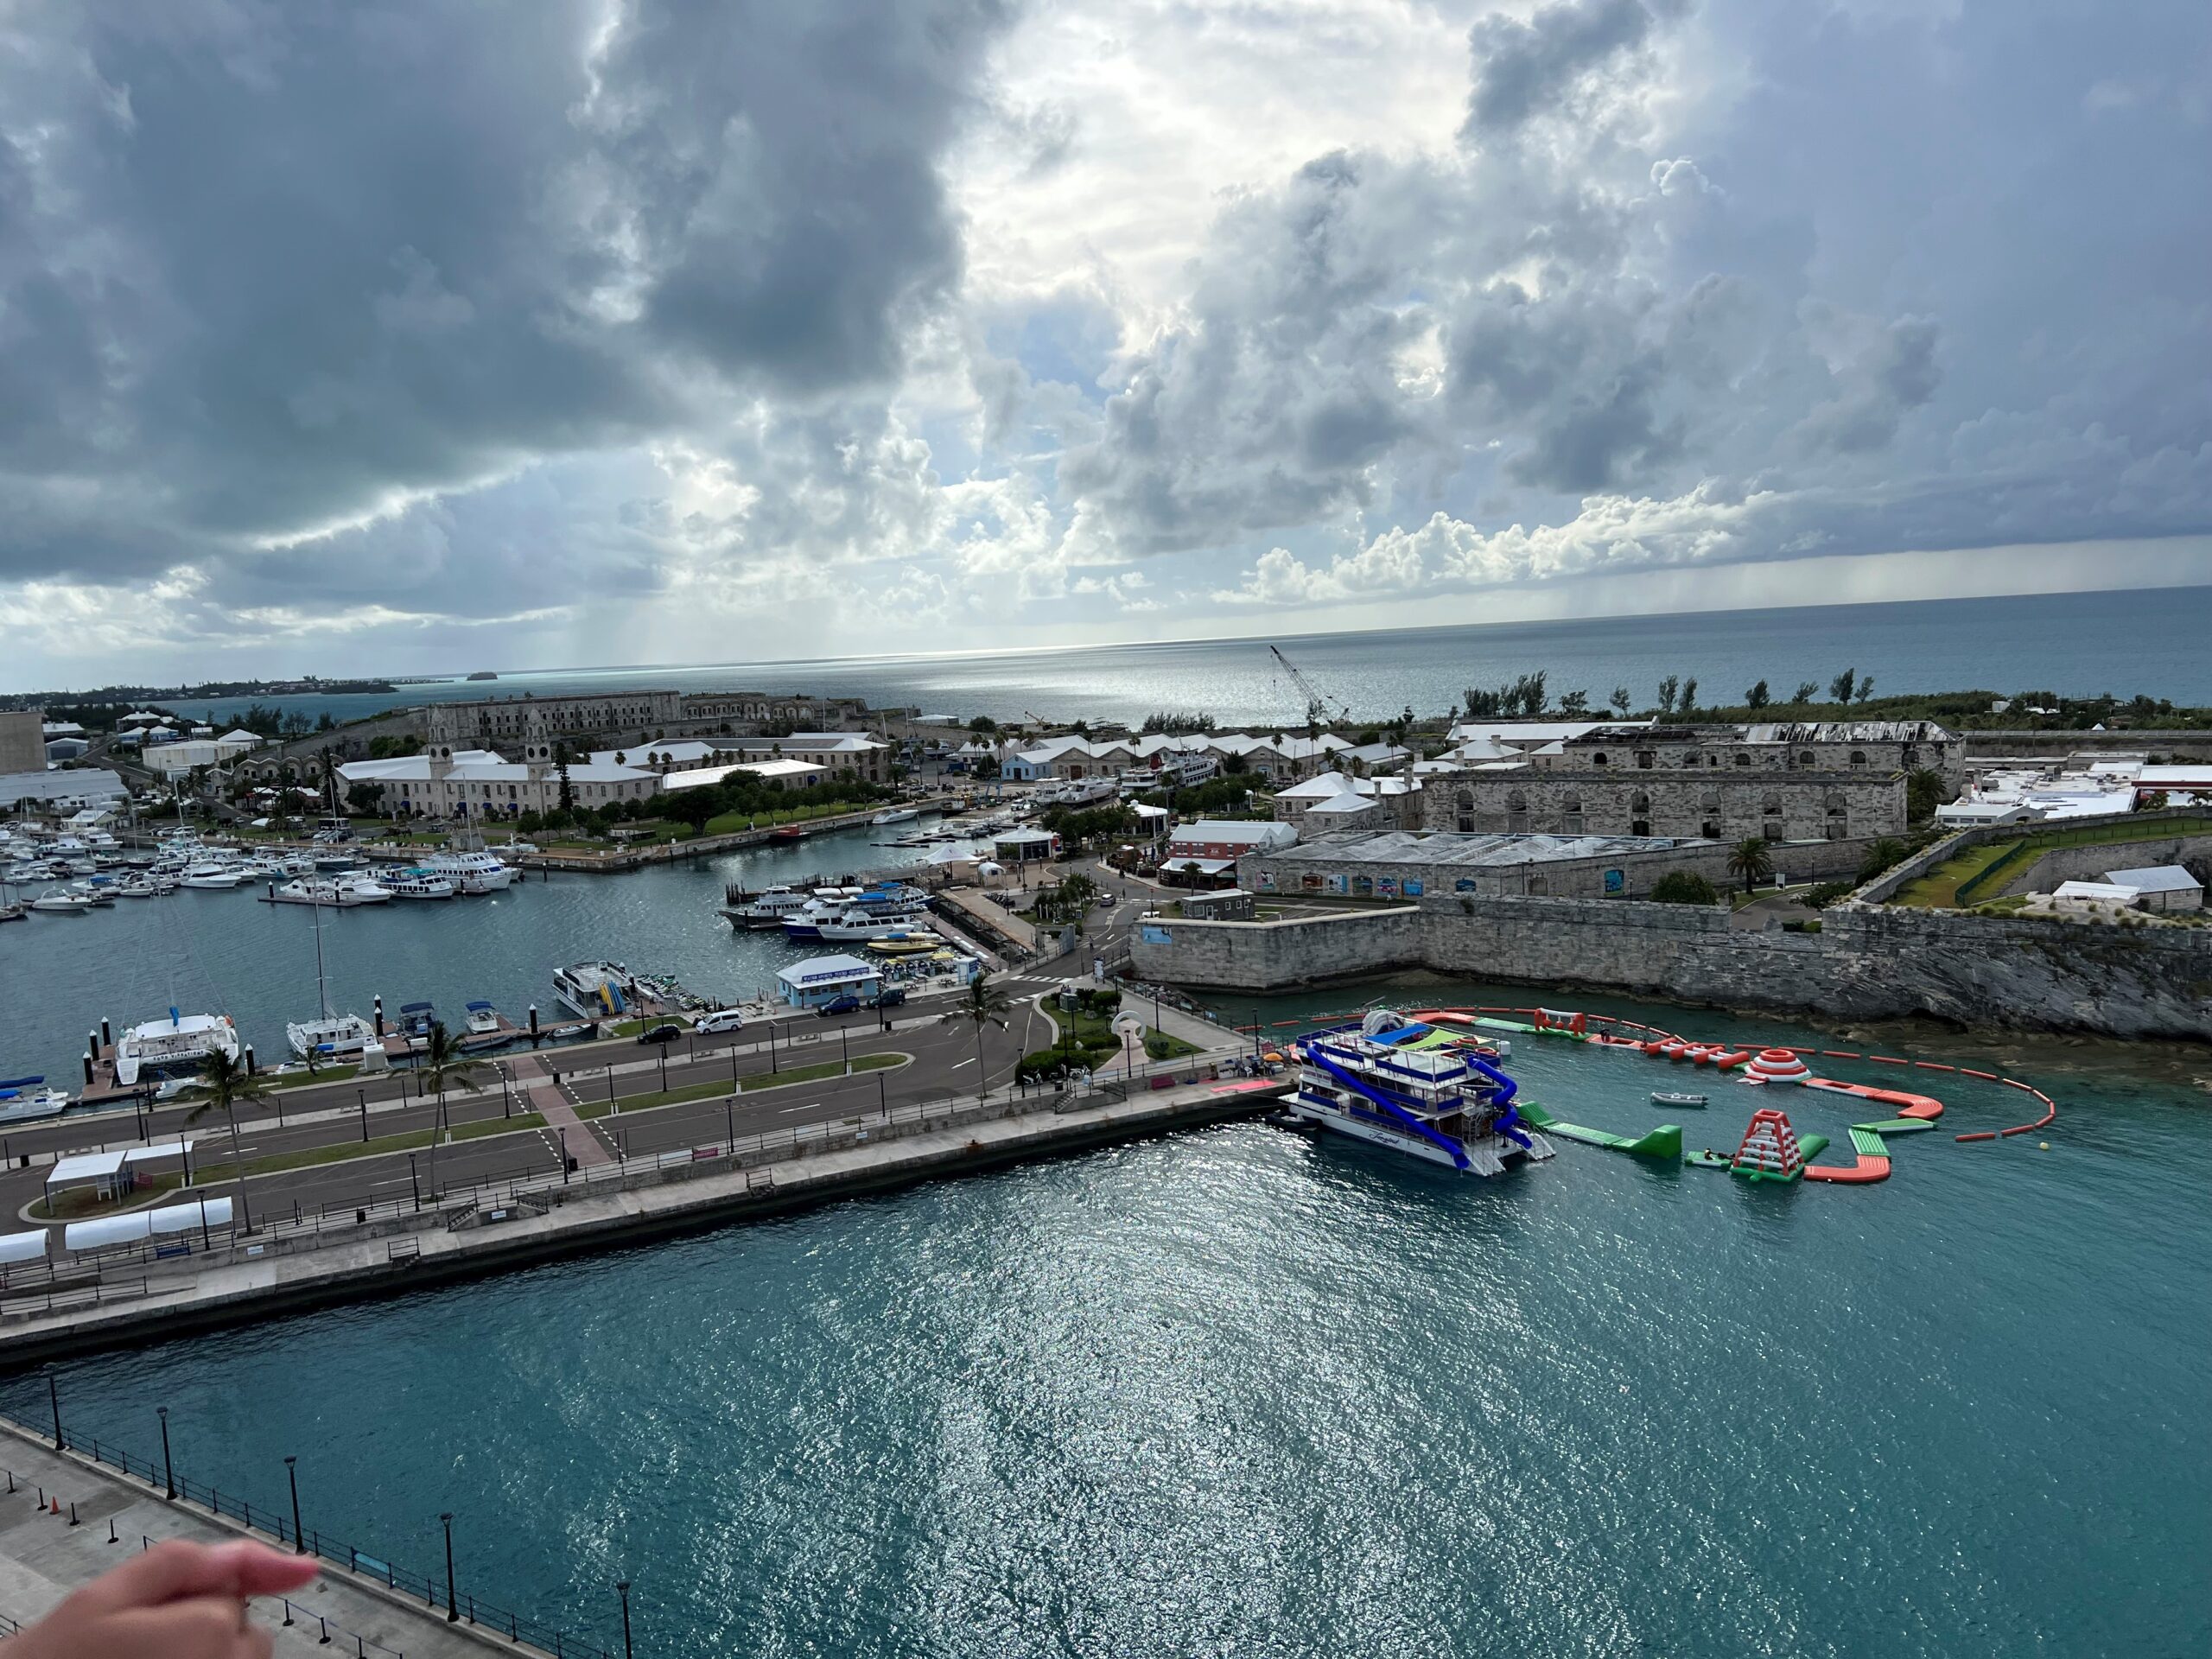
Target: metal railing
{"x":281,"y":1524}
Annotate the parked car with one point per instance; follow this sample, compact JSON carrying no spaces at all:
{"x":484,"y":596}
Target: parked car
{"x":667,"y":1033}
{"x":890,"y":997}
{"x":719,"y":1019}
{"x":844,"y":1003}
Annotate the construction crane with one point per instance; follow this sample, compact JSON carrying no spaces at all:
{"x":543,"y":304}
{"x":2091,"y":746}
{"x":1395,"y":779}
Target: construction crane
{"x":1317,"y":706}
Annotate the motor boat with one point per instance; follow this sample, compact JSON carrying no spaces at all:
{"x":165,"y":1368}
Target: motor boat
{"x":212,"y":875}
{"x":483,"y":1019}
{"x":895,"y":815}
{"x":60,"y":901}
{"x":332,"y":1037}
{"x":24,"y":1100}
{"x":416,"y":883}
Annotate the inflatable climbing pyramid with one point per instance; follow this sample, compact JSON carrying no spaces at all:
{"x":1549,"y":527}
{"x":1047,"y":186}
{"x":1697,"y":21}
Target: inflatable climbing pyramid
{"x":1769,"y":1151}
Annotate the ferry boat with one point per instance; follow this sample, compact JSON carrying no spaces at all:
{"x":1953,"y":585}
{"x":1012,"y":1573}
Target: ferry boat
{"x":416,"y":883}
{"x":826,"y":905}
{"x":859,"y":927}
{"x":174,"y":1046}
{"x":1444,"y":1105}
{"x":471,"y":870}
{"x":24,"y":1100}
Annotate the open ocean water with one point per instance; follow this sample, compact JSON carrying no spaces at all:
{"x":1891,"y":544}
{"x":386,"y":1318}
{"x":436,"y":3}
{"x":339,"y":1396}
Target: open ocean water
{"x":1234,"y":1393}
{"x":2073,"y":645}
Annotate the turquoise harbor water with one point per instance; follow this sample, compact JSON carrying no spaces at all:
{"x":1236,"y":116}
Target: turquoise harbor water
{"x":2074,"y":645}
{"x":1234,"y":1393}
{"x":211,"y":953}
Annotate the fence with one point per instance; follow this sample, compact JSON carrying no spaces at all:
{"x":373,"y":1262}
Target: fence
{"x":281,"y":1523}
{"x":283,"y":1235}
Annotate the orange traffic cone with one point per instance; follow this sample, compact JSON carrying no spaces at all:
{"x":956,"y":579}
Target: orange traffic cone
{"x":55,"y":1506}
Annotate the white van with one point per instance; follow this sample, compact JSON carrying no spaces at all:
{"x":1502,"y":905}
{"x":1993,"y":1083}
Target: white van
{"x":719,"y":1019}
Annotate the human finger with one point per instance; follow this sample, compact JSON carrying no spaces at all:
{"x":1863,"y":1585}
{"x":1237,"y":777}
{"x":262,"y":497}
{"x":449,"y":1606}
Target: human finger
{"x":199,"y":1627}
{"x":177,"y":1569}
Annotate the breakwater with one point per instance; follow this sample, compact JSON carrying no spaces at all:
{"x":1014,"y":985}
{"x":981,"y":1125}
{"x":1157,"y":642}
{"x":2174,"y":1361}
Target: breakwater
{"x":1866,"y":962}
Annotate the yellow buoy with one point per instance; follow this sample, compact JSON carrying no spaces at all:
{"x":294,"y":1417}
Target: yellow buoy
{"x":2045,"y":1145}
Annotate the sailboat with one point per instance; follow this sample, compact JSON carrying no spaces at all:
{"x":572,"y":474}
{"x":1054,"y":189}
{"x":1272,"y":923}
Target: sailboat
{"x":329,"y":1036}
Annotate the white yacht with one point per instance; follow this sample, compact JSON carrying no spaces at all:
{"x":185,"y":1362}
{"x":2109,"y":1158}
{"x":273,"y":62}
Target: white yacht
{"x":59,"y":901}
{"x":767,"y":908}
{"x":174,"y":1046}
{"x":24,"y":1100}
{"x":860,"y":926}
{"x":896,"y":815}
{"x":213,"y":874}
{"x":472,"y":871}
{"x":416,"y":883}
{"x":332,"y":1037}
{"x":341,"y":893}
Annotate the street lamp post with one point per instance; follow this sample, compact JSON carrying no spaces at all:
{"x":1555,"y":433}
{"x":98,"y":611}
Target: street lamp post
{"x":168,"y":1469}
{"x":882,"y":1100}
{"x":54,"y":1398}
{"x":453,"y":1613}
{"x":299,"y":1538}
{"x":845,"y":1048}
{"x":622,"y":1589}
{"x":729,"y":1122}
{"x":412,"y":1186}
{"x":364,"y":1095}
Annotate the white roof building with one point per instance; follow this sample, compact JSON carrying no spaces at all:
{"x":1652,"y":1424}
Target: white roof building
{"x":2161,"y":886}
{"x":801,"y":774}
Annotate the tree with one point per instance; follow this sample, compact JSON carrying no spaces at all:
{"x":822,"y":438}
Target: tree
{"x":1807,"y":690}
{"x":1883,"y":854}
{"x":1683,"y":888}
{"x":1865,"y":687}
{"x":984,"y":1005}
{"x":567,"y":794}
{"x":1841,"y":687}
{"x":327,"y":764}
{"x":228,"y":1083}
{"x":1924,"y":791}
{"x":1668,"y":688}
{"x":1574,"y":704}
{"x":2154,"y":800}
{"x":446,"y":1065}
{"x":1689,"y":695}
{"x":1752,"y":859}
{"x":982,"y":723}
{"x":1756,"y":698}
{"x":1620,"y":700}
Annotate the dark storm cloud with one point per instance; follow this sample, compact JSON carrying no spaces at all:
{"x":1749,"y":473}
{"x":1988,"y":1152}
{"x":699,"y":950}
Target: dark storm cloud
{"x":264,"y":269}
{"x":1521,"y":67}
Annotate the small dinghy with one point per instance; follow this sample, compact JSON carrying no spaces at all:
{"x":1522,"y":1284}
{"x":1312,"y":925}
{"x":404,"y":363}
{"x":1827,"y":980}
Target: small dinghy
{"x":1673,"y":1097}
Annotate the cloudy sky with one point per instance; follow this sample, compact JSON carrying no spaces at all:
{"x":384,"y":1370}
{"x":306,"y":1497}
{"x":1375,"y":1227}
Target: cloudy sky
{"x":405,"y":335}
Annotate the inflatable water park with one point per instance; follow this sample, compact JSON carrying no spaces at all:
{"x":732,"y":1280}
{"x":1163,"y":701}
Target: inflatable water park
{"x":1432,"y":1085}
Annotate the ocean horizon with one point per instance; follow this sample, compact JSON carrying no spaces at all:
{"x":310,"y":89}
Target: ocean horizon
{"x":2126,"y":642}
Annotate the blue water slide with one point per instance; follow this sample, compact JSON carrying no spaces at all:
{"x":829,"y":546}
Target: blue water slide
{"x":1397,"y":1113}
{"x":1508,"y":1119}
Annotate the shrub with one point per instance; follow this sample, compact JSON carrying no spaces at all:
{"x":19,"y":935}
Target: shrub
{"x":1820,"y":897}
{"x":1683,"y":888}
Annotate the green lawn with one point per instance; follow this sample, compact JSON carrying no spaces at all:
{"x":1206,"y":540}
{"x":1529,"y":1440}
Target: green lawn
{"x":1094,"y":1032}
{"x":1939,"y":888}
{"x":730,"y":822}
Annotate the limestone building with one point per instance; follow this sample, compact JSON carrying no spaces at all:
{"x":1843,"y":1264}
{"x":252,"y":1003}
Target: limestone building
{"x":1811,"y":781}
{"x":22,"y":739}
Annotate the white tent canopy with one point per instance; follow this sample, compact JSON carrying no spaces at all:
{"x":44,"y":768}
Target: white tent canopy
{"x":23,"y":1247}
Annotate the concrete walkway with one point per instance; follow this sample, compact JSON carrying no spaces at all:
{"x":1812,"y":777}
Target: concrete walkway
{"x":542,"y":1095}
{"x":43,"y":1559}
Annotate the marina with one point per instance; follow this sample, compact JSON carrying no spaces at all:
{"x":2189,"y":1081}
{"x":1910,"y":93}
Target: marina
{"x":1144,"y":1304}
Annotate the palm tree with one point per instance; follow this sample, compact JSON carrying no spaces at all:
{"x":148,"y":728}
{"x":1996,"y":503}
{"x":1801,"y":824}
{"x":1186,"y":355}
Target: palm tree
{"x":448,"y":1066}
{"x":1750,"y":859}
{"x":227,"y":1082}
{"x":1881,"y":855}
{"x":984,"y":1005}
{"x":329,"y":765}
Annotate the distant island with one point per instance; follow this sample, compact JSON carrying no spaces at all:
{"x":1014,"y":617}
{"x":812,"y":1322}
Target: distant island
{"x":307,"y":686}
{"x":483,"y":674}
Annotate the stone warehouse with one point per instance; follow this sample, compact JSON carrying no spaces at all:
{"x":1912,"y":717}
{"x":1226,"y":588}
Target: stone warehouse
{"x":1409,"y":865}
{"x":1825,"y":781}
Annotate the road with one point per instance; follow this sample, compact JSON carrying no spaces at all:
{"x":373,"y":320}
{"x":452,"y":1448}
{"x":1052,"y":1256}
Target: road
{"x":934,"y":1061}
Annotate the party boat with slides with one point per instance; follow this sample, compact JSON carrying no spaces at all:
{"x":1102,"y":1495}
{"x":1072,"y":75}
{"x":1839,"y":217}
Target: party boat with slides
{"x":1414,"y":1088}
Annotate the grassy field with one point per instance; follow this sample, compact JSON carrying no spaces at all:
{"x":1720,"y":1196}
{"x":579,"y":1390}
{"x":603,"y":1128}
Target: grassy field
{"x":1939,"y":888}
{"x":1095,"y":1032}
